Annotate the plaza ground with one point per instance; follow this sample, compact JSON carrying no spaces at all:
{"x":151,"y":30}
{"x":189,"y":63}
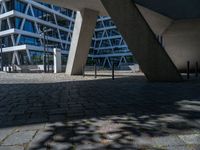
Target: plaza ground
{"x":58,"y":112}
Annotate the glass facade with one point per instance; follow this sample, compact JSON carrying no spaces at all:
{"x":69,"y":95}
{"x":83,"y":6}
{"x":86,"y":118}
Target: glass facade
{"x":31,"y":19}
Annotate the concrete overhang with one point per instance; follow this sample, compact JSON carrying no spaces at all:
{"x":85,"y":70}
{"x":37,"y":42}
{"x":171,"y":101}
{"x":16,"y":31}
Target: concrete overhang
{"x":80,"y":5}
{"x":175,"y":9}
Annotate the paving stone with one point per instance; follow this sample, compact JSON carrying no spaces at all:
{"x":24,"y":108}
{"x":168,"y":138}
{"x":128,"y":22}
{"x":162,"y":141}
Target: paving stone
{"x":31,"y":127}
{"x":11,"y":148}
{"x":58,"y":117}
{"x":93,"y":114}
{"x":167,"y":141}
{"x":19,"y":138}
{"x":60,"y":146}
{"x":41,"y":140}
{"x":4,"y":132}
{"x":185,"y":147}
{"x":142,"y":142}
{"x":89,"y":146}
{"x":191,"y":139}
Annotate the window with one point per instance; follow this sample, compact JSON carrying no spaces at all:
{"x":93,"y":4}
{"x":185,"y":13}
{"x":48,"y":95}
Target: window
{"x":4,"y":25}
{"x":29,"y":26}
{"x":63,"y":22}
{"x":9,"y":5}
{"x":20,"y":6}
{"x":18,"y":22}
{"x":29,"y":40}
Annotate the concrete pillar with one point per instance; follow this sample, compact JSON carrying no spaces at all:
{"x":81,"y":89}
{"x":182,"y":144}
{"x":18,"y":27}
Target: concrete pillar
{"x":15,"y":58}
{"x":57,"y":60}
{"x":151,"y":56}
{"x":85,"y":23}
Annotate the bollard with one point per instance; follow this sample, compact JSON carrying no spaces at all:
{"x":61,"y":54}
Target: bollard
{"x":83,"y":70}
{"x":9,"y":69}
{"x":188,"y":70}
{"x":95,"y":70}
{"x":48,"y":67}
{"x":197,"y":69}
{"x":52,"y":68}
{"x":113,"y":71}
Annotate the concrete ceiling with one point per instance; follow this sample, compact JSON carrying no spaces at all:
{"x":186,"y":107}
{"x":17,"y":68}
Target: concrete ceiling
{"x":79,"y":5}
{"x":175,"y":9}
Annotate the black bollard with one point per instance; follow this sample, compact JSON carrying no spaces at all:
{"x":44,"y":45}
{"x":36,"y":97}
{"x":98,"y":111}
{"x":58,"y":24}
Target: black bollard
{"x":113,"y":71}
{"x":9,"y":69}
{"x":83,"y":70}
{"x":188,"y":70}
{"x":197,"y":69}
{"x":95,"y":70}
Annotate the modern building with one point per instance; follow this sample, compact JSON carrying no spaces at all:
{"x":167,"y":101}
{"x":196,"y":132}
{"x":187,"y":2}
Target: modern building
{"x":163,"y":35}
{"x":24,"y":24}
{"x":108,"y":44}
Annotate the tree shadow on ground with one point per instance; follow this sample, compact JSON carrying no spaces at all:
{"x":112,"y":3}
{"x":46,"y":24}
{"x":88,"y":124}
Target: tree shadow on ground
{"x":102,"y":114}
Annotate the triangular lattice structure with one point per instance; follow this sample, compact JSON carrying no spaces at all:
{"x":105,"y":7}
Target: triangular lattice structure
{"x":22,"y":23}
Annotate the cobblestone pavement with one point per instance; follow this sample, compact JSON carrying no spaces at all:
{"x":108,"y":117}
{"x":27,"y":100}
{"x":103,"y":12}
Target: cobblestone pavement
{"x":58,"y":112}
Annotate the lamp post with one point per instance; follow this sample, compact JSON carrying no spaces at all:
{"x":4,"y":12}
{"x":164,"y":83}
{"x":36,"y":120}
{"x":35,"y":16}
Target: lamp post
{"x":44,"y":32}
{"x":45,"y":55}
{"x":1,"y":45}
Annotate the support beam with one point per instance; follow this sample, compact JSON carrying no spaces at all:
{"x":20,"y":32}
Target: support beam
{"x":85,"y":23}
{"x":29,"y":56}
{"x":15,"y":58}
{"x":151,"y":56}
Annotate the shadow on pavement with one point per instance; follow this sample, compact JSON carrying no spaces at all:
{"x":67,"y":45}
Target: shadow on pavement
{"x":101,"y":114}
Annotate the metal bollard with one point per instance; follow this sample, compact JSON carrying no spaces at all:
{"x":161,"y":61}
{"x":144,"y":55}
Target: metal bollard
{"x":48,"y":68}
{"x":83,"y":70}
{"x":9,"y":69}
{"x":95,"y":70}
{"x":188,"y":70}
{"x":113,"y":71}
{"x":197,"y":69}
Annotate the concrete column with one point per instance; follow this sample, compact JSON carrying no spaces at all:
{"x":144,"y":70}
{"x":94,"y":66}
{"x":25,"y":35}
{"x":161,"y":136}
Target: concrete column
{"x":57,"y":60}
{"x":15,"y":58}
{"x":151,"y":56}
{"x":85,"y":23}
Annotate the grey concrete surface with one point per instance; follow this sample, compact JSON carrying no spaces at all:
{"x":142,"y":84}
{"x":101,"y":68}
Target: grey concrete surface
{"x":181,"y":41}
{"x":85,"y":23}
{"x":56,"y":111}
{"x":80,"y":5}
{"x":157,"y":22}
{"x":151,"y":56}
{"x":180,"y":38}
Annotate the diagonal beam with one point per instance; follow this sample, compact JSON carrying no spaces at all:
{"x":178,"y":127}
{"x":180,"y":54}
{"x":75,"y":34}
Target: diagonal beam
{"x":81,"y":40}
{"x":151,"y":56}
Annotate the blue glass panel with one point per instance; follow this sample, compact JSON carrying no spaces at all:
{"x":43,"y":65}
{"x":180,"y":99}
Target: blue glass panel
{"x":29,"y":26}
{"x":20,"y":6}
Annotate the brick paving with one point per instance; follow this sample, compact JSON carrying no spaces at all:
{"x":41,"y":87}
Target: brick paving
{"x":58,"y":112}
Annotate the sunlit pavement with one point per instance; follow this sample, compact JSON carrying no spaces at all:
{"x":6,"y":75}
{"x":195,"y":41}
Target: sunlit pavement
{"x":58,"y":112}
